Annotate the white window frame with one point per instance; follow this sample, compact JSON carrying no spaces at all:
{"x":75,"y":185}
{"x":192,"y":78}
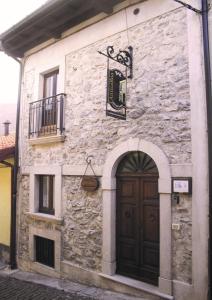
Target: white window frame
{"x":56,"y":171}
{"x":53,"y":235}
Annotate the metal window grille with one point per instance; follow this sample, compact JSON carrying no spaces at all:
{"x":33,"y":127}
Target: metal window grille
{"x":44,"y":251}
{"x":46,"y":116}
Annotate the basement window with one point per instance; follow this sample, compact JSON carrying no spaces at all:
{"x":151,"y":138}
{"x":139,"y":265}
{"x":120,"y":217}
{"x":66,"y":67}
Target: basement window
{"x":44,"y":251}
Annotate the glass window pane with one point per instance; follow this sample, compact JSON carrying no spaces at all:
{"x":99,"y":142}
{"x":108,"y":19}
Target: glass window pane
{"x":45,"y":191}
{"x":50,"y":84}
{"x":46,"y":194}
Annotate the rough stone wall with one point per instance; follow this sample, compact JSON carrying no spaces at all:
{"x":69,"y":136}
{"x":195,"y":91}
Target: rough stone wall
{"x":158,"y":97}
{"x":181,"y":240}
{"x":23,"y":222}
{"x":82,"y":230}
{"x":158,"y":111}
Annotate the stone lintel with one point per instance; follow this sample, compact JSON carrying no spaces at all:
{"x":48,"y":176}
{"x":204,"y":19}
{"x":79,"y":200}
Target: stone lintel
{"x":139,"y":285}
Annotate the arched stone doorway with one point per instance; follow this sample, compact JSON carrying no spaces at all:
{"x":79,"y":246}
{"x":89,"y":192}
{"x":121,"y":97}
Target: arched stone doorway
{"x":137,"y":218}
{"x":109,"y":209}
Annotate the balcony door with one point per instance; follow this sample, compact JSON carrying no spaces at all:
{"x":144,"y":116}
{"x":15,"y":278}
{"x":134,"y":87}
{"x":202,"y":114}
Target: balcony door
{"x":49,"y":106}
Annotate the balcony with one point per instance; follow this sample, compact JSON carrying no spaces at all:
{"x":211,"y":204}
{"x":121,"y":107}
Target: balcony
{"x":46,"y":120}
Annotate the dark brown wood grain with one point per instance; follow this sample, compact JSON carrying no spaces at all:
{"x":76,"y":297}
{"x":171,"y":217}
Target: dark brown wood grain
{"x":138,"y":227}
{"x":89,"y":183}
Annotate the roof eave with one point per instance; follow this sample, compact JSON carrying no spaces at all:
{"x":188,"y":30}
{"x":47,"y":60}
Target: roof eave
{"x":32,"y":30}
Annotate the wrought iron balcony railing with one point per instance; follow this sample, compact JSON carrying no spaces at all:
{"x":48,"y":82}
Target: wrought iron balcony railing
{"x":46,"y":116}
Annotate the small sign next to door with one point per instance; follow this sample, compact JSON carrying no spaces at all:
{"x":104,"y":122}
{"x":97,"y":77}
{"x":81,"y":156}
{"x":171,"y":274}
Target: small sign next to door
{"x":182,"y":185}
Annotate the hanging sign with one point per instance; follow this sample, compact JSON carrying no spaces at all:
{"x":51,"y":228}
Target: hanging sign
{"x":116,"y":94}
{"x":89,"y":183}
{"x":117,"y":82}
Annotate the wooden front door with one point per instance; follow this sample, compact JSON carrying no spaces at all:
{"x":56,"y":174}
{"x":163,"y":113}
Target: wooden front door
{"x":138,"y":227}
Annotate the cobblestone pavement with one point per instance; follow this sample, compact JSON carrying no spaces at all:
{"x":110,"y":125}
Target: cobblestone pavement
{"x":13,"y":289}
{"x":30,"y":286}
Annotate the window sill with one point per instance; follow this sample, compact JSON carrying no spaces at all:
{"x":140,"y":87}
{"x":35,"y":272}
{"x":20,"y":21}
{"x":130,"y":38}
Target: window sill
{"x":43,"y":269}
{"x":47,"y":140}
{"x":45,"y":217}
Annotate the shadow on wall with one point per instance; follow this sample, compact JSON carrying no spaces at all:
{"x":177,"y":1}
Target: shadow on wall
{"x":4,"y":254}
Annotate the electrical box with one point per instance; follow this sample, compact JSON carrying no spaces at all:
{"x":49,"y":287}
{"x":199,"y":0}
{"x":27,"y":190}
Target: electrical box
{"x":176,"y":227}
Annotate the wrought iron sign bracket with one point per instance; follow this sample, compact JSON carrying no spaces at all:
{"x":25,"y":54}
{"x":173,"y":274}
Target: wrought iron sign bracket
{"x":117,"y":81}
{"x":193,"y":8}
{"x":123,"y":57}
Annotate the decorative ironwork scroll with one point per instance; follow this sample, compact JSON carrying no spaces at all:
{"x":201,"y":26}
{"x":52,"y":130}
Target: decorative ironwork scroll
{"x":123,"y":57}
{"x":117,"y":81}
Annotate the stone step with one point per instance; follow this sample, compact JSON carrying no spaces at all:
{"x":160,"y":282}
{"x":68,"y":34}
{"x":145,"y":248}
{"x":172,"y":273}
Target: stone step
{"x":73,"y":288}
{"x":2,"y":265}
{"x":113,"y":287}
{"x":133,"y":287}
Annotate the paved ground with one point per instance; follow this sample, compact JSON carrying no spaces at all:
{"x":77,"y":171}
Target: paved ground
{"x":28,"y":286}
{"x":14,"y":289}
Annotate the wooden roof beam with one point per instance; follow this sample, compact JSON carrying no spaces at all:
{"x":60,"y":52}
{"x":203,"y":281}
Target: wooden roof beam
{"x":51,"y":31}
{"x":103,"y":6}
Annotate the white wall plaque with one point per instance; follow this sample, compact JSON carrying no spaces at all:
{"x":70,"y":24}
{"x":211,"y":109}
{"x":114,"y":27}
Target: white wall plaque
{"x":181,"y":185}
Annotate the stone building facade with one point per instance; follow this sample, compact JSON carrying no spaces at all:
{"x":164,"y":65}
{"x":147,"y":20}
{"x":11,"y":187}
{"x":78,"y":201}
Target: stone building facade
{"x":165,"y":120}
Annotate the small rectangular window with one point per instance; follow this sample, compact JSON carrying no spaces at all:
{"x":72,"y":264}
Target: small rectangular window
{"x":44,"y":251}
{"x":46,"y":194}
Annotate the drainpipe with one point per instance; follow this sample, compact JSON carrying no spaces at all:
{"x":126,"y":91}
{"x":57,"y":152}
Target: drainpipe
{"x":205,"y":6}
{"x":13,"y":262}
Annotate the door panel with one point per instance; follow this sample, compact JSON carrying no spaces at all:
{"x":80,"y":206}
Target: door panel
{"x":151,"y":257}
{"x":150,"y":189}
{"x":150,"y":223}
{"x":138,"y":228}
{"x":150,"y":220}
{"x":127,"y":238}
{"x":127,"y":217}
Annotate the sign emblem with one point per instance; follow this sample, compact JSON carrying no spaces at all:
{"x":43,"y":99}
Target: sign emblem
{"x":116,"y":89}
{"x":117,"y":81}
